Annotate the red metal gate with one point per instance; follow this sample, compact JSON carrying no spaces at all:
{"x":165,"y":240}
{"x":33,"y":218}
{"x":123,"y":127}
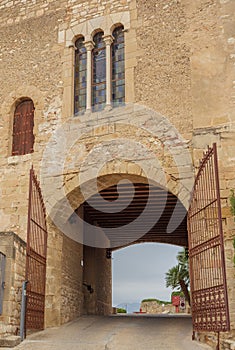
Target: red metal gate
{"x":36,"y":256}
{"x":206,"y":250}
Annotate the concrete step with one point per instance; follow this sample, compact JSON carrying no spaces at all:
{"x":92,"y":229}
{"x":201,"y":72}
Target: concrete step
{"x":9,"y":341}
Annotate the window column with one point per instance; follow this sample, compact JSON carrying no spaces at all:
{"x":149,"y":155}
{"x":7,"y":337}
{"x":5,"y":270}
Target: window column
{"x":89,"y":45}
{"x":108,"y":39}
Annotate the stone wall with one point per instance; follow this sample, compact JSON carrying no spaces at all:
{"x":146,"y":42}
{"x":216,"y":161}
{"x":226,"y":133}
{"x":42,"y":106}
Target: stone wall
{"x":153,"y":307}
{"x":14,"y":12}
{"x":23,"y":52}
{"x":53,"y":276}
{"x":72,"y":266}
{"x":97,"y":274}
{"x":182,"y":65}
{"x":226,"y":341}
{"x":228,"y":345}
{"x":103,"y":283}
{"x":30,"y":33}
{"x":15,"y":250}
{"x":179,"y":62}
{"x":72,"y":278}
{"x":163,"y":73}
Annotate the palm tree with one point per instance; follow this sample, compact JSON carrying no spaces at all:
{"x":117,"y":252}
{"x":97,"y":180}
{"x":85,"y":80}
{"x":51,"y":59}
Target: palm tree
{"x":177,"y":277}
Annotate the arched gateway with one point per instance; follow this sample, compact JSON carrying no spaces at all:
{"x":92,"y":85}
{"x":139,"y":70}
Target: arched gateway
{"x":120,"y":204}
{"x":125,"y":202}
{"x":136,"y":158}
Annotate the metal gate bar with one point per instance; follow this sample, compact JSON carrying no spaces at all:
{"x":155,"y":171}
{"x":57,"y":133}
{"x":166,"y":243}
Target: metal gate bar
{"x":210,"y":310}
{"x":36,"y":256}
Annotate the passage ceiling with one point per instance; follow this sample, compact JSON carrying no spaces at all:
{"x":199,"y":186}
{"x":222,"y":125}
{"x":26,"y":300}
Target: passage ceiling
{"x":118,"y":206}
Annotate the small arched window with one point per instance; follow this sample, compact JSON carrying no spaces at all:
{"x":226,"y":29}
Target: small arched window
{"x":23,"y":138}
{"x":99,"y":73}
{"x":118,"y":67}
{"x":80,"y":76}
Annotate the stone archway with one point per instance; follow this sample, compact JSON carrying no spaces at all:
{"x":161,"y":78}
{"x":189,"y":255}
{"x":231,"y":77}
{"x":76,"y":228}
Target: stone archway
{"x":76,"y":197}
{"x":130,"y":141}
{"x":68,"y":251}
{"x":83,"y":158}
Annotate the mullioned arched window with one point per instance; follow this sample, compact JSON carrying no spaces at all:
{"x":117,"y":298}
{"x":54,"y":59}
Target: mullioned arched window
{"x":99,"y":78}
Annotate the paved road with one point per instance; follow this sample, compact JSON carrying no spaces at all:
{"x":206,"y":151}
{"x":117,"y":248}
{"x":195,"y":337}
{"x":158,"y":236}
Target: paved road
{"x":117,"y":333}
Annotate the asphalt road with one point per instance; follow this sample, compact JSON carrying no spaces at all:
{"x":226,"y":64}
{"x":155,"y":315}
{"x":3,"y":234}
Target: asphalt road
{"x":117,"y":333}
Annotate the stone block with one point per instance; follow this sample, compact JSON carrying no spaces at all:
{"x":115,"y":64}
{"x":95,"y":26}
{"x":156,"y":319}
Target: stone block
{"x":10,"y":341}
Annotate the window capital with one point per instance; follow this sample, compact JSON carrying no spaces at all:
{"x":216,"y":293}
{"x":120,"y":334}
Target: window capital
{"x":108,"y":39}
{"x":72,"y":46}
{"x":89,"y":45}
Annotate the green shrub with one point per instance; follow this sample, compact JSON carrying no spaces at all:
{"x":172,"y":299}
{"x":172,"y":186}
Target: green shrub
{"x":156,"y":300}
{"x":232,"y":203}
{"x":177,"y":293}
{"x":147,"y":300}
{"x":121,"y":310}
{"x":232,"y":208}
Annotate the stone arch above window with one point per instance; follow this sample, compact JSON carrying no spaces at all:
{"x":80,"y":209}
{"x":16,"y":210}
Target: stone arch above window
{"x":23,"y":123}
{"x":87,"y":29}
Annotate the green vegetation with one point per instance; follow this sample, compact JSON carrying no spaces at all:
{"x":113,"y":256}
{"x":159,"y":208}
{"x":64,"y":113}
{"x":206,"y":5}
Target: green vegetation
{"x":181,"y":294}
{"x":160,"y":302}
{"x":121,"y":310}
{"x":177,"y":277}
{"x":232,"y":203}
{"x":232,"y":208}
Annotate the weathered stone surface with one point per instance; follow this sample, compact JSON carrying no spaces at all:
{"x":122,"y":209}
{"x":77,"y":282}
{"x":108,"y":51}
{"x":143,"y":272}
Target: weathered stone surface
{"x":153,"y":307}
{"x":15,"y":250}
{"x":179,"y":65}
{"x":10,"y":341}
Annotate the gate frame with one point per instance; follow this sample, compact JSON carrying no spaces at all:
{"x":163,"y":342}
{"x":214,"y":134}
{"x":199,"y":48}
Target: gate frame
{"x":217,"y":240}
{"x":35,"y":254}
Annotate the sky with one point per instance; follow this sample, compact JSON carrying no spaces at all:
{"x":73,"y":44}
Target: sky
{"x":139,"y":272}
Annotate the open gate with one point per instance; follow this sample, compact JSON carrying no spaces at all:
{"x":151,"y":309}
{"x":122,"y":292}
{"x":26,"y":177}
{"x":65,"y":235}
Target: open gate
{"x":36,"y":257}
{"x":208,"y":286}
